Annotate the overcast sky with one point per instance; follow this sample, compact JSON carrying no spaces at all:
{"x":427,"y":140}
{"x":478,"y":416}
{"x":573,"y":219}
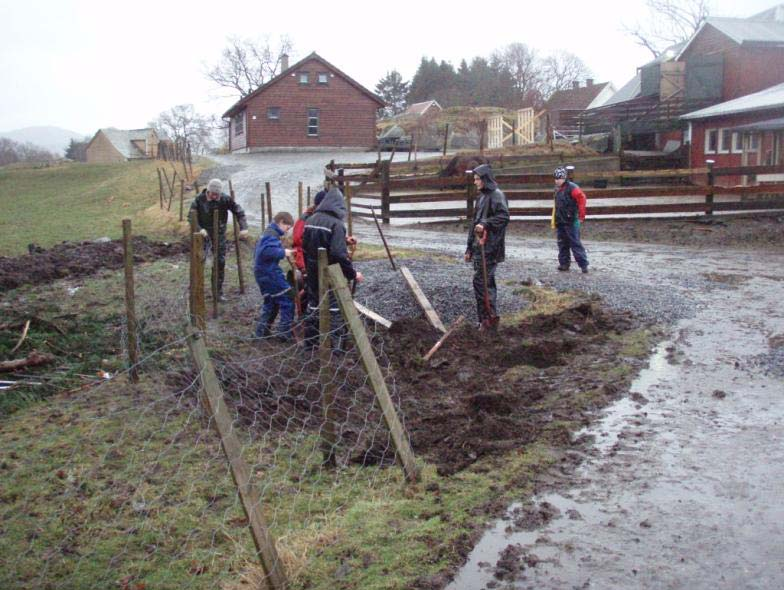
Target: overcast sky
{"x":83,"y":65}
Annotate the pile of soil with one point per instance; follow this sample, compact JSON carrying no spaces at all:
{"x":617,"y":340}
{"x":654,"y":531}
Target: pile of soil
{"x":78,"y":259}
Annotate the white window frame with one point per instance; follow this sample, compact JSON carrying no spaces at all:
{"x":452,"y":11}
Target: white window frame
{"x":273,"y":113}
{"x":721,"y":148}
{"x":325,"y":76}
{"x":707,"y":140}
{"x":303,"y":78}
{"x":737,"y":142}
{"x":239,"y":124}
{"x":317,"y":118}
{"x":752,"y":138}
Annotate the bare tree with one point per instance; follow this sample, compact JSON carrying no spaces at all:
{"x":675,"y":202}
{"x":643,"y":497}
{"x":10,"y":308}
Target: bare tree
{"x":183,"y":125}
{"x":669,"y":22}
{"x":560,"y":70}
{"x":246,"y":64}
{"x":526,"y":70}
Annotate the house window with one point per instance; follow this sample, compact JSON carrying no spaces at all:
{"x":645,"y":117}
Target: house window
{"x":737,"y":143}
{"x":303,"y":78}
{"x":239,"y":124}
{"x":313,"y":122}
{"x":711,"y":140}
{"x":754,"y":142}
{"x":323,"y":78}
{"x":725,"y":141}
{"x":273,"y":113}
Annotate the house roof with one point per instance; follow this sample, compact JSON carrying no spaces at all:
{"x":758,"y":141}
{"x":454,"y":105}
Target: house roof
{"x":121,"y":140}
{"x":574,"y":99}
{"x":419,"y":108}
{"x":769,"y":98}
{"x":761,"y":29}
{"x":775,"y":13}
{"x":767,"y":125}
{"x":628,"y":91}
{"x":240,"y":104}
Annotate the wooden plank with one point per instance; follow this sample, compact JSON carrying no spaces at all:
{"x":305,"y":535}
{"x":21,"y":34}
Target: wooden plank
{"x":399,"y":435}
{"x":429,"y":197}
{"x":746,"y":170}
{"x":249,"y":496}
{"x":199,"y":306}
{"x":428,"y":212}
{"x":773,"y":188}
{"x":422,"y":300}
{"x":215,"y":254}
{"x":372,"y":315}
{"x":130,"y":302}
{"x":329,"y":439}
{"x":663,"y":173}
{"x":443,"y":338}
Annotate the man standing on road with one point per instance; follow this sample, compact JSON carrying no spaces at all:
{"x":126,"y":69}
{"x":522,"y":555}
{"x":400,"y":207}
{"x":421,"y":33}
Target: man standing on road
{"x":491,"y":216}
{"x":213,"y":199}
{"x":325,"y":229}
{"x":568,"y":213}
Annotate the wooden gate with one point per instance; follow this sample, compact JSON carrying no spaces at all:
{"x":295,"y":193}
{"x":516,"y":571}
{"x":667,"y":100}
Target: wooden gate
{"x":501,"y":133}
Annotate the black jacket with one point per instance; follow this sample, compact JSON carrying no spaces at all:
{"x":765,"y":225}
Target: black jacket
{"x":224,"y":204}
{"x":492,"y":211}
{"x":325,"y":229}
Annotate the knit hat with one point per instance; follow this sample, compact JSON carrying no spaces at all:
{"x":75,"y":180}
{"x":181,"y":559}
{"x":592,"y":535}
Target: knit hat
{"x":215,"y":186}
{"x":560,"y":173}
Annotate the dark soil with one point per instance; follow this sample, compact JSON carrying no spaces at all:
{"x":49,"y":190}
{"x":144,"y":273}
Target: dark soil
{"x":723,"y":231}
{"x":77,"y":259}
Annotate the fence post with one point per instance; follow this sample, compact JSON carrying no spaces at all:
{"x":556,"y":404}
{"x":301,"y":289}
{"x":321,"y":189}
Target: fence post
{"x":446,"y":138}
{"x":171,"y":191}
{"x":325,"y":377}
{"x":215,"y":257}
{"x":182,"y":197}
{"x":341,"y":185}
{"x":709,"y":189}
{"x":160,"y":188}
{"x":308,"y":200}
{"x":385,"y":192}
{"x":198,"y":304}
{"x":268,"y":189}
{"x":130,"y":301}
{"x":300,"y":199}
{"x":235,"y":225}
{"x":348,"y":210}
{"x":249,"y":496}
{"x":263,"y":211}
{"x":404,"y":453}
{"x":470,"y":198}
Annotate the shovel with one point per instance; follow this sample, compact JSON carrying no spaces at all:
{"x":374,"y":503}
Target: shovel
{"x":491,"y":321}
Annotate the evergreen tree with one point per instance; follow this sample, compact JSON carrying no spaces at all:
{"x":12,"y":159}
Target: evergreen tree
{"x":77,"y":150}
{"x":393,"y":90}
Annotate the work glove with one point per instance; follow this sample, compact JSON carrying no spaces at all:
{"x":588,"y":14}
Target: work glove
{"x":243,"y":234}
{"x":204,"y":233}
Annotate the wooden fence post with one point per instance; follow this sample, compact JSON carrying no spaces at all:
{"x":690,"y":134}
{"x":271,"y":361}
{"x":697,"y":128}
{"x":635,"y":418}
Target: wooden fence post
{"x":385,"y":191}
{"x":270,"y":214}
{"x":215,"y":257}
{"x":325,"y":375}
{"x":160,"y":188}
{"x":349,"y":219}
{"x":235,"y":225}
{"x":171,"y":191}
{"x":130,"y":301}
{"x":300,"y":199}
{"x":446,"y":137}
{"x":249,"y":496}
{"x":470,"y":198}
{"x":404,"y":453}
{"x":182,"y":197}
{"x":709,"y":189}
{"x":308,"y":199}
{"x":263,"y":212}
{"x":198,"y":304}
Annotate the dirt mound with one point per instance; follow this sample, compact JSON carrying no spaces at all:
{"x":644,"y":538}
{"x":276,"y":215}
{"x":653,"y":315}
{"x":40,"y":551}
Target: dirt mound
{"x":77,"y":259}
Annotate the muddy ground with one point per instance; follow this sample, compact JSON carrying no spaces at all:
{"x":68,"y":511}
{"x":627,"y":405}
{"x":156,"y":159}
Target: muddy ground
{"x":78,"y":259}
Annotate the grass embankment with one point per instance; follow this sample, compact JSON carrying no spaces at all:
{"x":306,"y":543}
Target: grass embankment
{"x":76,"y":201}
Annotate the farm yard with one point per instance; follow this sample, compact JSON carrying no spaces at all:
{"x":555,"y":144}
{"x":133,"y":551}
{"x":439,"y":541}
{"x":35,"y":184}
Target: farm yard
{"x":612,"y":418}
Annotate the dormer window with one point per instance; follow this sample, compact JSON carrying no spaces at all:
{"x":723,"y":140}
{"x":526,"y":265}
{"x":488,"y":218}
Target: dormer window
{"x":323,"y":78}
{"x":303,"y":78}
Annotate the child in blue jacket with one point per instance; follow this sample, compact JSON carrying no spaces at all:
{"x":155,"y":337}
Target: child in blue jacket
{"x":273,"y":284}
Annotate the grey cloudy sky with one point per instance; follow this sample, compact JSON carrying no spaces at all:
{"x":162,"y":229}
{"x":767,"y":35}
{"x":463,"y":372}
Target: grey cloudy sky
{"x":84,"y":64}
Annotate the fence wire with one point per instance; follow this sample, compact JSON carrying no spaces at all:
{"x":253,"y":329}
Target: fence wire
{"x":123,"y":485}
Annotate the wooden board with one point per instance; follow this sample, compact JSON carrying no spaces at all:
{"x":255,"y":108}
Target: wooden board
{"x":372,"y":315}
{"x":422,"y":300}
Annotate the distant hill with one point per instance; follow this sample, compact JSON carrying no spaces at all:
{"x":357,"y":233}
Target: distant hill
{"x":54,"y":139}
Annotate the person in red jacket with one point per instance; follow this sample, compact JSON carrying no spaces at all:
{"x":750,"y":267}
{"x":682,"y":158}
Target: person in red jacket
{"x":299,"y":230}
{"x":568,"y":213}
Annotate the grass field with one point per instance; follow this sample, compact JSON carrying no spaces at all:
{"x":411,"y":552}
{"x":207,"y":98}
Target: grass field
{"x":79,"y":201}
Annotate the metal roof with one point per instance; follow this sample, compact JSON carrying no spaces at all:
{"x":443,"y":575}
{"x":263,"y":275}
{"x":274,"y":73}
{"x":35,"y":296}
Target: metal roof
{"x":767,"y":125}
{"x":121,"y":140}
{"x":628,"y":91}
{"x":742,"y":30}
{"x":769,"y":98}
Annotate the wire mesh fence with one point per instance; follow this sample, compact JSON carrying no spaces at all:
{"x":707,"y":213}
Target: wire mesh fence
{"x":136,"y":492}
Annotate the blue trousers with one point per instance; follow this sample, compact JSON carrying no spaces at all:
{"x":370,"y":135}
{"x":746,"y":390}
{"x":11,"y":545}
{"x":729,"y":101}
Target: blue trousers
{"x":569,"y":239}
{"x":269,"y":311}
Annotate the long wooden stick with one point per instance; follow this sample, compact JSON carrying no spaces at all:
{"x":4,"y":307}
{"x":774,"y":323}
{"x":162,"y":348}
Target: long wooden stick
{"x":443,"y":338}
{"x":130,"y":301}
{"x":22,"y":337}
{"x":215,"y":260}
{"x":422,"y":300}
{"x":368,"y":313}
{"x":33,"y":359}
{"x":383,"y":239}
{"x":235,"y":224}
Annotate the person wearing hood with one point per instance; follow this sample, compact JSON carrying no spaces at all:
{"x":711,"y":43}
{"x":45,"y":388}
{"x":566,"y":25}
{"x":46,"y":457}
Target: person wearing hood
{"x":269,"y":276}
{"x":491,"y":216}
{"x":325,"y":228}
{"x":214,"y":199}
{"x":568,"y":214}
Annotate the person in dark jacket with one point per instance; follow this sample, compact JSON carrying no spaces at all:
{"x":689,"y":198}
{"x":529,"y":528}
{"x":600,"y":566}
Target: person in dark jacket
{"x":325,"y":228}
{"x":568,"y":214}
{"x":269,"y":276}
{"x":491,"y":216}
{"x":214,"y":199}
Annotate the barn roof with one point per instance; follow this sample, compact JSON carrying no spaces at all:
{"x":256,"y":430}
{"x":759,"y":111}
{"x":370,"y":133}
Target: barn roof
{"x":769,"y":98}
{"x":419,"y":108}
{"x":764,"y":28}
{"x":121,"y":140}
{"x":574,"y":99}
{"x":240,"y":104}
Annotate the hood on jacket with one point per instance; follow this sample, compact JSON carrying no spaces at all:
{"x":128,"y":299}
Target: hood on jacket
{"x":333,"y":203}
{"x":486,"y":174}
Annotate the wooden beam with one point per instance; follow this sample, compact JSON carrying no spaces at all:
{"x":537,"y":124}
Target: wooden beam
{"x":372,"y":315}
{"x":422,"y":300}
{"x":443,"y":338}
{"x":399,"y":436}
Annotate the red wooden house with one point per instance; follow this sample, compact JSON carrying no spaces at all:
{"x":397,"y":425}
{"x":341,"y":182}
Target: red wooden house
{"x":310,"y":105}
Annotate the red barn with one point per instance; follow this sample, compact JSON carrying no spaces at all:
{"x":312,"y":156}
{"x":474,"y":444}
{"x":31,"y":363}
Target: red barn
{"x":310,"y":105}
{"x":745,"y":131}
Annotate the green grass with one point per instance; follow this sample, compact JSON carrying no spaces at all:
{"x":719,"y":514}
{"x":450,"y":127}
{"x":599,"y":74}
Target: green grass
{"x":79,"y":201}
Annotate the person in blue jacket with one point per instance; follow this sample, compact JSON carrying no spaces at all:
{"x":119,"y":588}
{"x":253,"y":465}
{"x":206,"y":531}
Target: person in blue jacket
{"x":272,"y":283}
